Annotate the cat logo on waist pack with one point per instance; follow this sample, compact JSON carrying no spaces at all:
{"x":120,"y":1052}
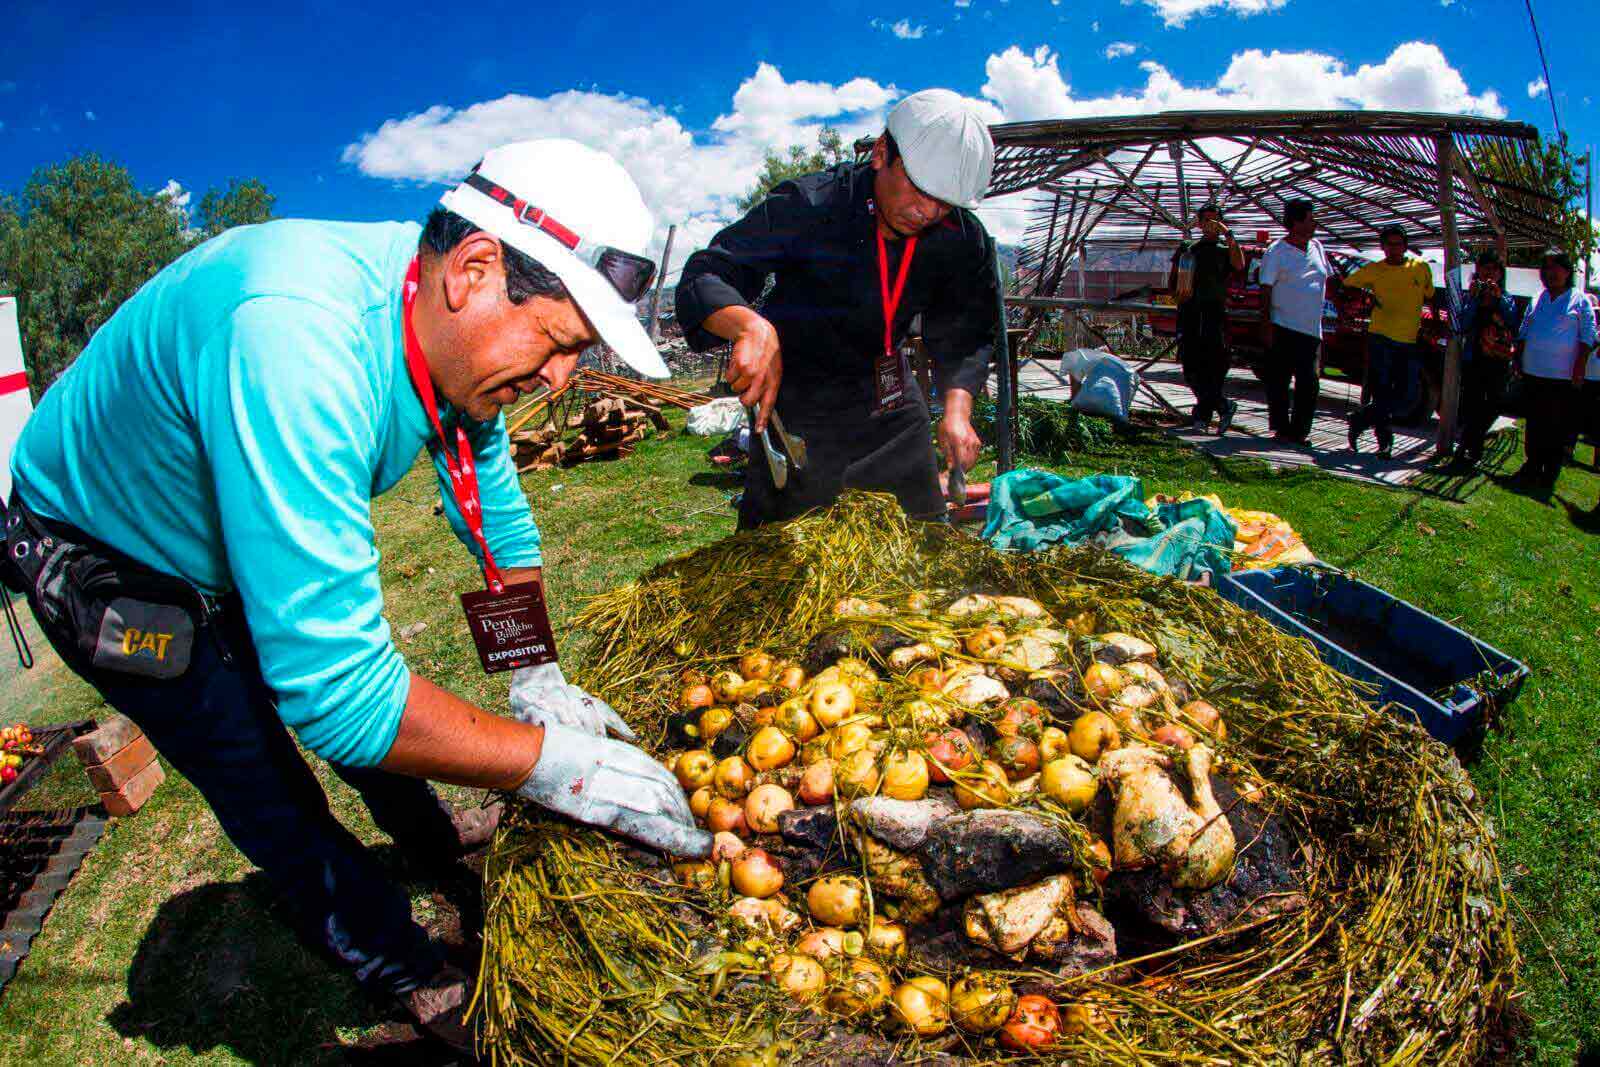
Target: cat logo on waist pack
{"x":150,"y":640}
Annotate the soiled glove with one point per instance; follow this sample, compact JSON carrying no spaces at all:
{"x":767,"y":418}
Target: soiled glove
{"x":542,"y":695}
{"x":614,"y":786}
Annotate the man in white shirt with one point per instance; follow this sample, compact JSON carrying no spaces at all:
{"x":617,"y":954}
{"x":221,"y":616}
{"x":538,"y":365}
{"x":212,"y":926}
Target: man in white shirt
{"x":1558,"y":333}
{"x":1294,"y":282}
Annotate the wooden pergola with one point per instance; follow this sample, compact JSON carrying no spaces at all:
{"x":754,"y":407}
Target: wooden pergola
{"x":1140,"y":179}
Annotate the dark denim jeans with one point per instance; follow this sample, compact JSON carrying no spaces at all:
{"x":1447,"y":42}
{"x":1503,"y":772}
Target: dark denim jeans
{"x":1393,"y":379}
{"x":218,"y":726}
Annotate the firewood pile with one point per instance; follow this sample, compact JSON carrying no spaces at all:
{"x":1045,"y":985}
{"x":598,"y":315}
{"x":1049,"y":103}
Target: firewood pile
{"x":616,"y":414}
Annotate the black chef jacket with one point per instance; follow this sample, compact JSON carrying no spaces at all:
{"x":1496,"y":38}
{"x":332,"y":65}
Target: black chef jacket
{"x":815,"y":236}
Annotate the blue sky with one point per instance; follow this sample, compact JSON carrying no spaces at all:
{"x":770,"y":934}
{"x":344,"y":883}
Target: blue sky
{"x":687,"y":94}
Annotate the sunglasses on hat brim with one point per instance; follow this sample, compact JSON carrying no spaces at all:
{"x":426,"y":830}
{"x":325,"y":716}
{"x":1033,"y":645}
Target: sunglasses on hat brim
{"x":629,"y":274}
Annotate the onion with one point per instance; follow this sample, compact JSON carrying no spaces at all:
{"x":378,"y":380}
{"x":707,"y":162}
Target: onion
{"x":726,"y":846}
{"x":1092,"y":735}
{"x":1053,"y":744}
{"x":921,"y":1005}
{"x":948,"y":750}
{"x":763,"y":806}
{"x":1206,"y":718}
{"x":981,"y":1002}
{"x":757,"y":665}
{"x":984,"y":786}
{"x":733,"y":778}
{"x":831,"y":702}
{"x":886,"y":941}
{"x":1034,"y":1023}
{"x":861,"y":990}
{"x":797,"y":975}
{"x":1174,"y":735}
{"x":1070,"y":782}
{"x":700,"y":801}
{"x":822,"y":943}
{"x":905,"y":776}
{"x":814,"y":751}
{"x":1103,"y":681}
{"x":794,"y":720}
{"x":848,"y":737}
{"x":725,"y":814}
{"x":756,"y":874}
{"x":816,"y":785}
{"x":696,"y":874}
{"x":695,"y":768}
{"x":791,"y":677}
{"x":726,"y":686}
{"x":696,"y":696}
{"x":837,"y":900}
{"x":713,"y":721}
{"x":769,"y":749}
{"x":1018,"y":756}
{"x":856,"y":775}
{"x":986,"y":641}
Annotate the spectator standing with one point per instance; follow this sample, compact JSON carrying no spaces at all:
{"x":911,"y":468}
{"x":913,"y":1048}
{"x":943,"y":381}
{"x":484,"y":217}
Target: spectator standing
{"x":1587,"y":418}
{"x":1400,"y":284}
{"x":1556,"y":337}
{"x":1294,"y":283}
{"x":1199,"y":283}
{"x":1484,"y":319}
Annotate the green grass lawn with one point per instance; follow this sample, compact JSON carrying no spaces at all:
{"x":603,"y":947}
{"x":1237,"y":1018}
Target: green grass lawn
{"x":162,"y":949}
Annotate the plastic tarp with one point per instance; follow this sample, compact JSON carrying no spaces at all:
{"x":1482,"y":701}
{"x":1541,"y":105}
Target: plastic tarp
{"x":721,"y":416}
{"x":1030,"y":510}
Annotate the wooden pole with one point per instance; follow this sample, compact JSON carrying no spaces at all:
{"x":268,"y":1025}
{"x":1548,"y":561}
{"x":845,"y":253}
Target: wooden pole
{"x":1450,"y":395}
{"x":661,"y":277}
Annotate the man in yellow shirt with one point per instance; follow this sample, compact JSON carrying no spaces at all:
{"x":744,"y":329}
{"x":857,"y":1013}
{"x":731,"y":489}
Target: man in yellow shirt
{"x":1400,"y":284}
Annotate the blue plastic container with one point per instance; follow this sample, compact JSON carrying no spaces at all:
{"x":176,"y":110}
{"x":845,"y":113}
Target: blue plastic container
{"x":1413,"y":659}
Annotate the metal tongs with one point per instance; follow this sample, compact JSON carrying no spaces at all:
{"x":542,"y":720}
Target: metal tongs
{"x":793,"y":455}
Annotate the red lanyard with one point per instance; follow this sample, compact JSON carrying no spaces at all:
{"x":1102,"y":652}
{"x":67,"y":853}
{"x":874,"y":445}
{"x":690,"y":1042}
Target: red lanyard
{"x":463,"y":474}
{"x":891,"y":303}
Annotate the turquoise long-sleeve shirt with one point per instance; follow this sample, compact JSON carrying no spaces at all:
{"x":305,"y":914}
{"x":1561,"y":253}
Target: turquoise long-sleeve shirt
{"x":231,"y":424}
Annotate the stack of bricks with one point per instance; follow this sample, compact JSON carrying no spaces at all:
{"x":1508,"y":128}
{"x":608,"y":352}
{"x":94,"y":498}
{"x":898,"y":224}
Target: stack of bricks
{"x":121,"y":764}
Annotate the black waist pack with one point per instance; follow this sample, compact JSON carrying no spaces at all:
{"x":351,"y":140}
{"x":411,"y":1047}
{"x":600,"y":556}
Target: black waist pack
{"x":101,"y":609}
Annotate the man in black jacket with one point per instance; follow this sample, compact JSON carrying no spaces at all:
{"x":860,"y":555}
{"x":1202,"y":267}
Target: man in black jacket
{"x":857,"y":252}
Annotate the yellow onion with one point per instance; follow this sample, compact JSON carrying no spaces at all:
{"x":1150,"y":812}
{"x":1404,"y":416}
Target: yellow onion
{"x":861,"y":990}
{"x":799,"y":976}
{"x":756,"y":666}
{"x":696,"y":696}
{"x":1092,"y":735}
{"x":1069,"y":781}
{"x":814,"y":751}
{"x":790,"y":676}
{"x":983,"y":786}
{"x":1206,"y":718}
{"x":733,"y":778}
{"x":981,"y":1002}
{"x":700,"y":801}
{"x":837,"y":900}
{"x":695,"y":768}
{"x":751,"y":692}
{"x":831,"y":702}
{"x":1053,"y":744}
{"x":756,"y":874}
{"x":823,"y":943}
{"x":1103,"y":681}
{"x":848,"y":737}
{"x":794,"y":720}
{"x":921,"y":1005}
{"x":763,"y":806}
{"x":816,"y":785}
{"x":726,"y":686}
{"x":905,"y":776}
{"x":769,"y":749}
{"x":726,"y":847}
{"x":856,"y":775}
{"x":725,"y":814}
{"x":714,"y":720}
{"x":886,"y":942}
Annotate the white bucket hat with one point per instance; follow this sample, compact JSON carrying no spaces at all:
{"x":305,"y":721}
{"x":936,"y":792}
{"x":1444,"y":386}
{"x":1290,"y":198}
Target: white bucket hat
{"x":574,"y":210}
{"x":947,"y":148}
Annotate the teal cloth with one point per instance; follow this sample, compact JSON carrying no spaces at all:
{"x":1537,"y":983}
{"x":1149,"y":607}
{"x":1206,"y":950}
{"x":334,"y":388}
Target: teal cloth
{"x":1030,"y":510}
{"x":231,"y":424}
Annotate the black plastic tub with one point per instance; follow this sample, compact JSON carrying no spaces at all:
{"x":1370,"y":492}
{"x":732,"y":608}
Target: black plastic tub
{"x":1442,"y":675}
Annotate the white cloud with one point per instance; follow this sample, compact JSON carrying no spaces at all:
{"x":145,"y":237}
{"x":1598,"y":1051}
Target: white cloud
{"x":1537,"y":88}
{"x":1177,"y":12}
{"x":177,"y":196}
{"x":902,"y":29}
{"x":1118,"y":49}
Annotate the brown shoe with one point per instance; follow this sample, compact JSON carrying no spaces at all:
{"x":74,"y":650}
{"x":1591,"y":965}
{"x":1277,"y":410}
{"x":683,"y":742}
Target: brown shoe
{"x":475,"y":826}
{"x":438,"y":1007}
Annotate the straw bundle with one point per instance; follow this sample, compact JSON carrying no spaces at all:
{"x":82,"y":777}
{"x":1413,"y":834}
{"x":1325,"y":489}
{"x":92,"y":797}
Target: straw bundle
{"x":1405,"y":954}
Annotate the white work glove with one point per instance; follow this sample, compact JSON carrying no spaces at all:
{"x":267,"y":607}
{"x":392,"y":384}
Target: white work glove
{"x":542,"y":696}
{"x":614,"y":786}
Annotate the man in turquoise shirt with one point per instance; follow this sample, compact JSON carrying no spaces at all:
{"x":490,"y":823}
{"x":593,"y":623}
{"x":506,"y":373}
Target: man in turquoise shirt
{"x":229,"y":427}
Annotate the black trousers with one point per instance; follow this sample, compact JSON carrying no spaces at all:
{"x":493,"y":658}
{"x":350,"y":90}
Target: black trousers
{"x":1293,"y":358}
{"x":1483,"y":386}
{"x":847,"y":448}
{"x":1203,"y":350}
{"x":1548,"y":405}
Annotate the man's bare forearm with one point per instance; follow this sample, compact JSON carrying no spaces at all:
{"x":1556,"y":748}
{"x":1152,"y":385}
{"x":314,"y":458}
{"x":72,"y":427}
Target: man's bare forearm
{"x":958,"y":402}
{"x":729,"y":322}
{"x":446,"y":739}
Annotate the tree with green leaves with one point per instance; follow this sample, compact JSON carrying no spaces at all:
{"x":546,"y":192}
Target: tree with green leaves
{"x":1555,"y":172}
{"x":82,"y":237}
{"x":778,"y":168}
